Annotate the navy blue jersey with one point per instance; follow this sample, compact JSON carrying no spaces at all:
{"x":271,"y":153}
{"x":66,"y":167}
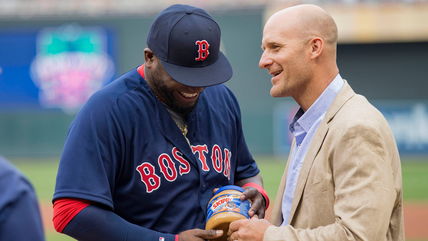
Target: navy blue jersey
{"x":19,"y":210}
{"x":124,"y":151}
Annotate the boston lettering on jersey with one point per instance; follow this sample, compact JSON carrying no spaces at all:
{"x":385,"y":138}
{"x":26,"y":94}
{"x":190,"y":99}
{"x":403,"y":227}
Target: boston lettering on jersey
{"x":220,"y":161}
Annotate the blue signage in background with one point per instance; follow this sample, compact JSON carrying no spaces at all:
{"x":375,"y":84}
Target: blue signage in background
{"x":54,"y":67}
{"x":17,"y":50}
{"x":407,"y":119}
{"x":409,"y":122}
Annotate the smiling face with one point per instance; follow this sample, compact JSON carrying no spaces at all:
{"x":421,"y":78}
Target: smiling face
{"x":286,"y":56}
{"x":178,"y":97}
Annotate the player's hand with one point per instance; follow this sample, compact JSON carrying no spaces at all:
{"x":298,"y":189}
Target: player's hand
{"x":258,"y":203}
{"x":199,"y":235}
{"x":248,"y":229}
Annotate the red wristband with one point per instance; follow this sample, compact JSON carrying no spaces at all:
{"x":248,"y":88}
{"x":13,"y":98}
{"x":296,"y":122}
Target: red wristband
{"x":176,"y":237}
{"x":260,"y":189}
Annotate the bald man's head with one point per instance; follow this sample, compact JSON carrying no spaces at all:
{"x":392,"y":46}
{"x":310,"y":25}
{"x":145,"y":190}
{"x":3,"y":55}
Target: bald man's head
{"x":299,"y":51}
{"x":306,"y":21}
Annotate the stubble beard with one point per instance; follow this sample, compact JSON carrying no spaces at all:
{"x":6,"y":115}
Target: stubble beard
{"x":166,"y":96}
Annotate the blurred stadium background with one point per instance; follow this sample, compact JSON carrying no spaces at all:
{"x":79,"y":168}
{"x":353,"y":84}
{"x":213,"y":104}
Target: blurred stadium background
{"x":55,"y":53}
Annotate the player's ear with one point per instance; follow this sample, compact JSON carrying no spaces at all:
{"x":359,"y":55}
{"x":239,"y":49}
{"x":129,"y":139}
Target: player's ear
{"x":149,"y":57}
{"x":317,"y":45}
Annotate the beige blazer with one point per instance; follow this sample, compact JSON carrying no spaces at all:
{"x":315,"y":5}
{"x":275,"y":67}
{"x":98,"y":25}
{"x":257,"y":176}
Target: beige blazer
{"x":349,"y":187}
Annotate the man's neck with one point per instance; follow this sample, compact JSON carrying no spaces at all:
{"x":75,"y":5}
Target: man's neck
{"x":313,"y":91}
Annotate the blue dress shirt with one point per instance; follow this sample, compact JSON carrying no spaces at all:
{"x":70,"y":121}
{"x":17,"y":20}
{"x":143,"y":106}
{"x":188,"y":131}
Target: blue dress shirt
{"x":303,"y":128}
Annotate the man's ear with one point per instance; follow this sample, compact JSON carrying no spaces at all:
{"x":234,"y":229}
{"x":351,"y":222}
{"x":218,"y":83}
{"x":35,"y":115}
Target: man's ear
{"x":317,"y":46}
{"x":149,"y":57}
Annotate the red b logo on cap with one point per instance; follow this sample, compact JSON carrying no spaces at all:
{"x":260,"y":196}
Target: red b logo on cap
{"x":203,"y":52}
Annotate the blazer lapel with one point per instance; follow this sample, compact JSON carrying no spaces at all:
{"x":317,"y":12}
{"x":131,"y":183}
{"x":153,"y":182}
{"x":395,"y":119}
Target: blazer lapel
{"x":317,"y":141}
{"x":344,"y":95}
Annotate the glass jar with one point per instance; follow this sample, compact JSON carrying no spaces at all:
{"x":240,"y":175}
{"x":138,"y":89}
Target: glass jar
{"x":225,"y":207}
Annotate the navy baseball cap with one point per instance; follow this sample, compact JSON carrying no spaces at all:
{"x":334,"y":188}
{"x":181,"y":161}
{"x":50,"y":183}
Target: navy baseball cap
{"x":186,"y":40}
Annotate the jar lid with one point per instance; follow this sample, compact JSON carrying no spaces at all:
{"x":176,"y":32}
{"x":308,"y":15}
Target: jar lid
{"x":229,"y":187}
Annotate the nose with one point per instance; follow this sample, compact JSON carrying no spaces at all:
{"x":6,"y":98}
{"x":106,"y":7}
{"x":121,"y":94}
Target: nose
{"x":265,"y":61}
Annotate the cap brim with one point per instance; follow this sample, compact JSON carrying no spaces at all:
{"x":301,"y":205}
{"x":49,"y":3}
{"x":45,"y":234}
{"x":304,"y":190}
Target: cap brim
{"x":217,"y":73}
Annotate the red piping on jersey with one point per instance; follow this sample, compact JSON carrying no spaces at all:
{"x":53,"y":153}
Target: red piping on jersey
{"x":140,"y":70}
{"x":64,"y":210}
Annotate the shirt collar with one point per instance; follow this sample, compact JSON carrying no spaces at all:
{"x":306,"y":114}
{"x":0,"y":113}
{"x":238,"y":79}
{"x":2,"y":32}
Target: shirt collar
{"x":303,"y":121}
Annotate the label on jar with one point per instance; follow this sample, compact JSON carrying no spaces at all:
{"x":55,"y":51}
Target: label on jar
{"x":228,"y":203}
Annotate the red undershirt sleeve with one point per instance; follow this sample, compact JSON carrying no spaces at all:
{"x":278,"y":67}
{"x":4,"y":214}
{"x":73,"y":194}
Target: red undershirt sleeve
{"x":65,"y":209}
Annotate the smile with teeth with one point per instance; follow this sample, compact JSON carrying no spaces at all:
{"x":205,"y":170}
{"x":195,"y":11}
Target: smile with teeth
{"x":276,"y":73}
{"x":189,"y":95}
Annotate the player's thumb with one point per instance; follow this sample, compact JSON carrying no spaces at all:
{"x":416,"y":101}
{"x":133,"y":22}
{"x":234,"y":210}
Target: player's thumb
{"x":210,"y":234}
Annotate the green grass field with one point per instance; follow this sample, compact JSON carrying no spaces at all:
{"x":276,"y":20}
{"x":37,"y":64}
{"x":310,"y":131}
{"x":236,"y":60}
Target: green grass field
{"x":415,"y":178}
{"x":42,"y":174}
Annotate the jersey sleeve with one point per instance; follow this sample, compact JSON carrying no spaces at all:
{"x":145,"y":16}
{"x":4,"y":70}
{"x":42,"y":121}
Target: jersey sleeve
{"x":90,"y":157}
